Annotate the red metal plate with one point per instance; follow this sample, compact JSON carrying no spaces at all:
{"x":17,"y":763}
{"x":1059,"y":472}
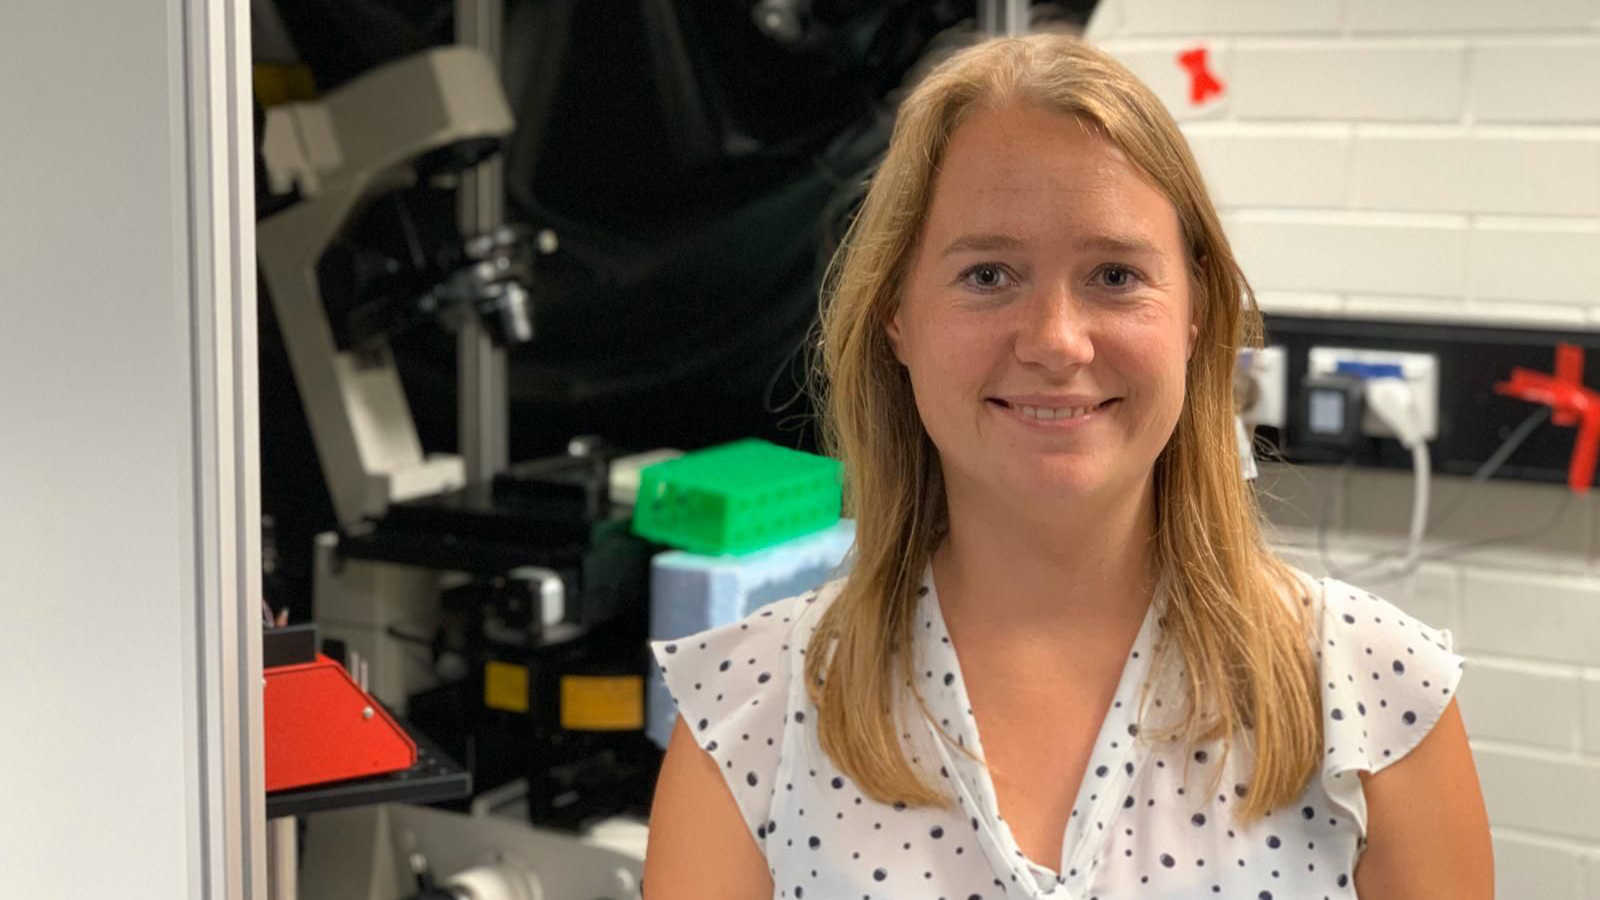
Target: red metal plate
{"x":321,"y":727}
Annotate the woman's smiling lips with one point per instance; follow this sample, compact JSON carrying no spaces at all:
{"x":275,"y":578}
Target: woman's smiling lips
{"x":1054,"y":412}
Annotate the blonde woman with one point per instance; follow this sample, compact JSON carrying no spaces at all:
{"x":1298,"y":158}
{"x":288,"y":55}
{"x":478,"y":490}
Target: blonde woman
{"x":1064,"y":664}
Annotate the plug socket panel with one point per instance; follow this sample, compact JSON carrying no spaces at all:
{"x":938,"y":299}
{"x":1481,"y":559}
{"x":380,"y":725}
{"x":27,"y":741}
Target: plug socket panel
{"x":1420,"y":370}
{"x":1268,"y":369}
{"x":1474,"y":419}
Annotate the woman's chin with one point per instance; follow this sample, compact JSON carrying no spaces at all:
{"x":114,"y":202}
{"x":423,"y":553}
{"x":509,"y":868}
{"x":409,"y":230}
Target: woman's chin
{"x":1059,"y":482}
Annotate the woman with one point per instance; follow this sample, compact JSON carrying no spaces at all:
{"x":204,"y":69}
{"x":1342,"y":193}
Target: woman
{"x":1028,"y":347}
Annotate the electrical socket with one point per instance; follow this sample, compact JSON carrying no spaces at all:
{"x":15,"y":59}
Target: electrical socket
{"x":1269,"y":369}
{"x":1420,"y":370}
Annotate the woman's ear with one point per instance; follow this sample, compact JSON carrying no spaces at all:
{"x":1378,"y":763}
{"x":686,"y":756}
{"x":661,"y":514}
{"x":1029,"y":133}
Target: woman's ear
{"x":892,"y":329}
{"x":1195,"y":299}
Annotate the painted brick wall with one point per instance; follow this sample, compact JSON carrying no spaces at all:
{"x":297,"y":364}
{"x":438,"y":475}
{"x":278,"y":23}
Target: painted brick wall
{"x":1427,"y":160}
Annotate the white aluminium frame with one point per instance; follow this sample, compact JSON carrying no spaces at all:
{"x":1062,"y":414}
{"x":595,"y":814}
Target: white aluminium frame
{"x":227,"y":810}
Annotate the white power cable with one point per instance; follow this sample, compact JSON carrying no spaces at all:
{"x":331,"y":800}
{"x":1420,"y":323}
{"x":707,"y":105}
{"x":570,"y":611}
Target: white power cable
{"x":1393,"y":401}
{"x":1482,"y":474}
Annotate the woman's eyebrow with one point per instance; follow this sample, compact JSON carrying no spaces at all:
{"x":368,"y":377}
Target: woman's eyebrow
{"x":984,"y":241}
{"x":979,"y":242}
{"x":1118,"y":243}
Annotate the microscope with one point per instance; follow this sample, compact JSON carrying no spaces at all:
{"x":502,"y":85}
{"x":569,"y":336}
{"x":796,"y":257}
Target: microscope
{"x":355,"y":154}
{"x":506,"y":619}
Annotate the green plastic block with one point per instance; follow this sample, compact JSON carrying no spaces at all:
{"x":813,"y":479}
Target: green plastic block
{"x":737,"y":498}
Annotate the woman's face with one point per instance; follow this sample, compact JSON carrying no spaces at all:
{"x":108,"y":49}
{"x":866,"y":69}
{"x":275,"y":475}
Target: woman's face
{"x":1045,"y":321}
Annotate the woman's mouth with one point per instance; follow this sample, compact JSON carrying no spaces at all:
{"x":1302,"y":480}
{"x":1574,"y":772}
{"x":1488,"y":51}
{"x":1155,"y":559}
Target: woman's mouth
{"x":1053,"y":414}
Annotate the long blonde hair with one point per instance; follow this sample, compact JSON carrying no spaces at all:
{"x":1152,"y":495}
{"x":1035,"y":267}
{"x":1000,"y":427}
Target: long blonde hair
{"x":1231,"y":616}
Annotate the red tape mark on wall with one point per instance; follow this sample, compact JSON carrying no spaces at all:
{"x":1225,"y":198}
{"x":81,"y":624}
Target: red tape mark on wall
{"x":1202,"y":84}
{"x":1571,"y":404}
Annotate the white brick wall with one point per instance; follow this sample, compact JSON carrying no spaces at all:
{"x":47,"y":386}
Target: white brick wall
{"x":1429,"y":160}
{"x":1311,"y":170}
{"x":1439,"y":16}
{"x":1154,"y":61}
{"x":1383,"y":81}
{"x":1452,"y":170}
{"x":1496,"y":703}
{"x":1533,"y":869}
{"x":1591,"y":714}
{"x":1542,"y":260}
{"x":1452,"y":147}
{"x":1542,"y":793}
{"x":1288,"y":250}
{"x":1232,"y":17}
{"x":1525,"y":614}
{"x":1547,"y":80}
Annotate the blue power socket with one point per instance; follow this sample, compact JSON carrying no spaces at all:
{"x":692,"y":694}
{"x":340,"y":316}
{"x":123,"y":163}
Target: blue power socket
{"x":1370,"y":370}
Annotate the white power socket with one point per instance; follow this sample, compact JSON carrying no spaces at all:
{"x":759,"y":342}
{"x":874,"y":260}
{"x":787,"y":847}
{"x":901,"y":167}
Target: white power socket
{"x":1420,"y":370}
{"x":1269,"y":369}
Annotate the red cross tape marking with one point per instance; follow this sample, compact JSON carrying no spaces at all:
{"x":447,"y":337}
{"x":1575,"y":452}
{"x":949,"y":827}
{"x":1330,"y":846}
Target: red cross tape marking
{"x":1202,"y":84}
{"x":1571,"y":404}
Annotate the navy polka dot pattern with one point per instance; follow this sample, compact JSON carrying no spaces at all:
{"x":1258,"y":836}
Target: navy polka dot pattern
{"x":1386,"y":679}
{"x":1152,"y":819}
{"x":733,"y":686}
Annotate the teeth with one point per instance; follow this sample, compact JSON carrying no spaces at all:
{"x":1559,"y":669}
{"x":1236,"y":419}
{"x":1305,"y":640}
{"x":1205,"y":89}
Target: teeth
{"x":1047,"y":414}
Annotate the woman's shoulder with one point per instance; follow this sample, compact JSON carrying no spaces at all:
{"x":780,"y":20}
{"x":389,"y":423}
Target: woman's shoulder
{"x":1385,"y":676}
{"x":739,"y":688}
{"x":760,"y":639}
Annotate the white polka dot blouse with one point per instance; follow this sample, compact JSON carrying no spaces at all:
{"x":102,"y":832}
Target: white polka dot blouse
{"x":1145,"y":825}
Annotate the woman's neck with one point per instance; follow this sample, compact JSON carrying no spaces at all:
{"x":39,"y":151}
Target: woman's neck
{"x":1082,"y":570}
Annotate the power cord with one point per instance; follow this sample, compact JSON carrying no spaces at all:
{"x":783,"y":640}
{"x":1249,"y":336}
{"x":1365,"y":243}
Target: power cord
{"x":1482,"y":474}
{"x":1393,"y":402}
{"x":1549,"y":524}
{"x":1496,"y":460}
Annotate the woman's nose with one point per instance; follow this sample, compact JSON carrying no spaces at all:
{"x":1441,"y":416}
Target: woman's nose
{"x":1054,"y":333}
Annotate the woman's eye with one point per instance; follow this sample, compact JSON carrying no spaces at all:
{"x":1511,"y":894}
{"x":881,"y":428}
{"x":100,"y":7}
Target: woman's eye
{"x":1118,"y":277}
{"x":985,"y":277}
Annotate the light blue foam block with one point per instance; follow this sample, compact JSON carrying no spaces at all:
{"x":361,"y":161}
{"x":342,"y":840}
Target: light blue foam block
{"x":690,"y":593}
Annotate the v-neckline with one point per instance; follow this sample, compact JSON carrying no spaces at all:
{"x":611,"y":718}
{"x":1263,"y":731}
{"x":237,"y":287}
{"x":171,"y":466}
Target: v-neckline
{"x":1115,"y":761}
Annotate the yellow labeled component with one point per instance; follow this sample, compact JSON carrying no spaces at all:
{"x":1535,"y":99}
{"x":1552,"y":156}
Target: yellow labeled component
{"x":602,"y":702}
{"x":505,"y":686}
{"x":278,"y":83}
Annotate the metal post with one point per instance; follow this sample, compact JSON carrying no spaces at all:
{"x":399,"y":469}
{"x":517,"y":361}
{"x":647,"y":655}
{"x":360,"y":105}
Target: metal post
{"x":1003,"y":17}
{"x":223,"y":545}
{"x":282,"y":865}
{"x":484,"y":438}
